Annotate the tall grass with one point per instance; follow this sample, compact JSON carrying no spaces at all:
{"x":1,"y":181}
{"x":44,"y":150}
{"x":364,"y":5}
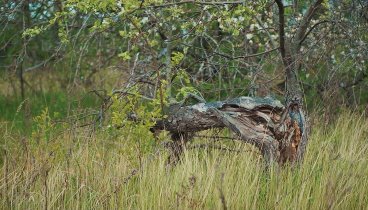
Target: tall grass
{"x":82,"y":170}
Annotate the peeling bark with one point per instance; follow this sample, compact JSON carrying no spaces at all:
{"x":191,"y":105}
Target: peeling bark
{"x":262,"y":122}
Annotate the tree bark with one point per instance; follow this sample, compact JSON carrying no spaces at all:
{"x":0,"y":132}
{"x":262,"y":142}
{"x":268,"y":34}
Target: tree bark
{"x":262,"y":122}
{"x":292,"y":59}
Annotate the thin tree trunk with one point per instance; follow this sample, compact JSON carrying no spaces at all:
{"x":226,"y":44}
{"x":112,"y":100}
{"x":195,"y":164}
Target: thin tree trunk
{"x":292,"y":59}
{"x":25,"y":23}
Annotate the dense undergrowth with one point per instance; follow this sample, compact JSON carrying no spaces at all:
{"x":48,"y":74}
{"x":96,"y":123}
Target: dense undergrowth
{"x":78,"y":168}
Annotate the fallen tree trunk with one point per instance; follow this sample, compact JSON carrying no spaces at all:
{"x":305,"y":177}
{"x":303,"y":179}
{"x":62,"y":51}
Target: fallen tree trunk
{"x":262,"y":122}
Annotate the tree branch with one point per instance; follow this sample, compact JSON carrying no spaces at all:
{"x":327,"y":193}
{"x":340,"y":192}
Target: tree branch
{"x":301,"y":32}
{"x":246,"y":56}
{"x":196,"y":2}
{"x":312,"y":28}
{"x":280,"y":5}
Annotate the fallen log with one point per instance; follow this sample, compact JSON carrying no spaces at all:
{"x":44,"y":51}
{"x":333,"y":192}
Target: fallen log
{"x":262,"y":122}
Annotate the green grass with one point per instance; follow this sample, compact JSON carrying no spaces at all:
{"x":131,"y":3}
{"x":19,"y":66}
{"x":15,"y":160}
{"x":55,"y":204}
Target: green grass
{"x":59,"y":104}
{"x":79,"y":169}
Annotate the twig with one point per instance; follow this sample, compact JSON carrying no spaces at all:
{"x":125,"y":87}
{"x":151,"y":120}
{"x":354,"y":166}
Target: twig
{"x":246,"y":56}
{"x":215,"y":137}
{"x":207,"y":146}
{"x":213,"y":3}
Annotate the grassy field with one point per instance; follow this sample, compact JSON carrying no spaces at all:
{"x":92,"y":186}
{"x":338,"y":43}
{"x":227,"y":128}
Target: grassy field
{"x":75,"y":168}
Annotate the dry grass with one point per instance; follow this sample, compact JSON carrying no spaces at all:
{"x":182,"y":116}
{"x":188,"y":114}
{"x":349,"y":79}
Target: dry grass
{"x":79,"y":171}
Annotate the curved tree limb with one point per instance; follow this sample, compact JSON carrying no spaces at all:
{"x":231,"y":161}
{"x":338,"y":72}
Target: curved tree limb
{"x":301,"y":32}
{"x":257,"y":121}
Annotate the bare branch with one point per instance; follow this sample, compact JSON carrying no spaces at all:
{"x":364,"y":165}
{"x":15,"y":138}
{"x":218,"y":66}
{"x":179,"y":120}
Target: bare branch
{"x":197,"y":2}
{"x":280,"y":5}
{"x":312,"y":28}
{"x":246,"y":56}
{"x":208,"y":146}
{"x":300,"y":34}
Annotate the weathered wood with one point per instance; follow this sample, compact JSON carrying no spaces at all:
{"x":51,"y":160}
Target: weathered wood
{"x":262,"y":122}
